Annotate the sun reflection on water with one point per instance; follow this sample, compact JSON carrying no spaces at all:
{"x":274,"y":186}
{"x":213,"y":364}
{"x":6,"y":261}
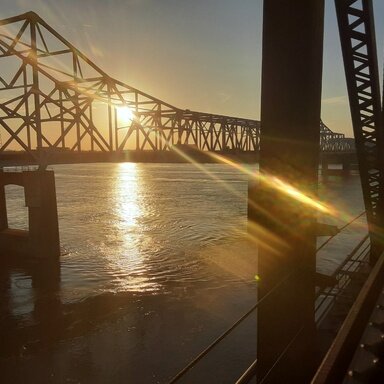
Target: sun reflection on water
{"x":127,"y":189}
{"x":129,"y":265}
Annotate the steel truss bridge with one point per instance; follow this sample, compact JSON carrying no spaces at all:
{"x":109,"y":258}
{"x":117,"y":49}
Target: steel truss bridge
{"x":53,"y":97}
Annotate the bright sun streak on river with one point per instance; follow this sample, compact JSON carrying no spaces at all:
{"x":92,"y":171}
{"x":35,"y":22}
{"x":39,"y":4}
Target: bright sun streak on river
{"x":128,"y":263}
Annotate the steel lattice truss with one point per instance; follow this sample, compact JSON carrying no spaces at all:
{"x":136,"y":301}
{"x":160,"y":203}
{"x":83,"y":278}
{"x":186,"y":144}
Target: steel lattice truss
{"x":53,"y":97}
{"x":356,"y":26}
{"x":334,"y":142}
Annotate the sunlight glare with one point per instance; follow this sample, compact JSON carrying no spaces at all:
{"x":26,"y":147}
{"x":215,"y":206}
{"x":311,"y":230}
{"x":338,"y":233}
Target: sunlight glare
{"x":125,"y":114}
{"x":280,"y":185}
{"x":298,"y":195}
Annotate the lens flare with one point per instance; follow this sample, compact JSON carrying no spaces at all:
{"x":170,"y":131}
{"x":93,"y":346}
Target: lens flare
{"x":280,"y":185}
{"x":296,"y":194}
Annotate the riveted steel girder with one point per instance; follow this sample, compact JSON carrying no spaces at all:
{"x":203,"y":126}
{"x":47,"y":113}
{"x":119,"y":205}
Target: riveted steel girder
{"x":357,"y":34}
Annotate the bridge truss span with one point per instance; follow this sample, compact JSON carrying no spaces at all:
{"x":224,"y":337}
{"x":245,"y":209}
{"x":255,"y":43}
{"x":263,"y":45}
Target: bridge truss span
{"x":334,"y":142}
{"x":53,"y":98}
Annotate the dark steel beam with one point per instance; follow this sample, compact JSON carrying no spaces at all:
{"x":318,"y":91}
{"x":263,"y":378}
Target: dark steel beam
{"x":357,"y":35}
{"x":285,"y":225}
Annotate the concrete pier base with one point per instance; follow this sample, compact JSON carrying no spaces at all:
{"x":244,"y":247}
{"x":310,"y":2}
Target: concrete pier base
{"x":346,"y":169}
{"x":41,"y":241}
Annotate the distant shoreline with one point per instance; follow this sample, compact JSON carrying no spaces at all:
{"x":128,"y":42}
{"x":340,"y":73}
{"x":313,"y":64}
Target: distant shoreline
{"x":69,"y":157}
{"x":148,"y":156}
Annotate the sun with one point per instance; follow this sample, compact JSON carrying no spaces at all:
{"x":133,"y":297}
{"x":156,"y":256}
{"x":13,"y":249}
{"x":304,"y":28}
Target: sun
{"x":125,"y":114}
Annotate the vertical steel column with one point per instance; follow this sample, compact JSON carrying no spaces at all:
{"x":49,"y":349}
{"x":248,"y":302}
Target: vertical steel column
{"x":136,"y":123}
{"x":62,"y":127}
{"x":92,"y":130}
{"x":211,"y":131}
{"x":290,"y":137}
{"x":76,"y":103}
{"x":178,"y":118}
{"x":110,"y":133}
{"x":26,"y":105}
{"x":116,"y":129}
{"x":35,"y":87}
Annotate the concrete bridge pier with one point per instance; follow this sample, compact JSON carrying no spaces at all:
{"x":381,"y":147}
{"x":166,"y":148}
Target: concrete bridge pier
{"x":324,"y":167}
{"x":41,"y":240}
{"x":346,"y":167}
{"x":347,"y":160}
{"x":3,"y":210}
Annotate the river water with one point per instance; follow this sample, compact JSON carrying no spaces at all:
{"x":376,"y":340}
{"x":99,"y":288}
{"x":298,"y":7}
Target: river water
{"x":154,"y":266}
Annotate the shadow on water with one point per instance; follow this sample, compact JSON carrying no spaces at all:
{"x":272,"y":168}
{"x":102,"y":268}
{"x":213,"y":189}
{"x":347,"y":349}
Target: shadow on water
{"x":36,"y":320}
{"x":112,"y":337}
{"x":20,"y":333}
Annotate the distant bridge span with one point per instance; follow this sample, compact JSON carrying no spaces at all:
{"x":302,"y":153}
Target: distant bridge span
{"x":53,"y":98}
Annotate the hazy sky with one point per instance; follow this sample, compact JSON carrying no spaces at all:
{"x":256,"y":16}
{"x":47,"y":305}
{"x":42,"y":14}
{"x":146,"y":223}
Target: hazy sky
{"x":203,"y":55}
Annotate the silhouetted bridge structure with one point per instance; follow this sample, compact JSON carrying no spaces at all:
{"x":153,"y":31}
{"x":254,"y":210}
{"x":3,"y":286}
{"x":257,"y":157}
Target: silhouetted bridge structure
{"x":55,"y":103}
